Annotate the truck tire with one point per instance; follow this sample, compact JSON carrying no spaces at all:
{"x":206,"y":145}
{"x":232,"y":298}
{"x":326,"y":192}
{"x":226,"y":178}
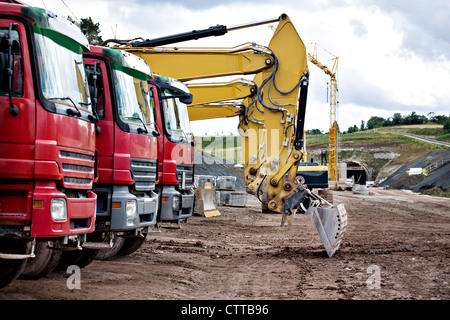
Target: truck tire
{"x":80,"y":258}
{"x":131,"y":245}
{"x":105,"y":254}
{"x":45,"y":262}
{"x":10,"y":269}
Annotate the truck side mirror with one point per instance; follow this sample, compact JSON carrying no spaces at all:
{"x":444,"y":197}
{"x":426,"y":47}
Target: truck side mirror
{"x":8,"y":44}
{"x":186,"y":98}
{"x":3,"y":63}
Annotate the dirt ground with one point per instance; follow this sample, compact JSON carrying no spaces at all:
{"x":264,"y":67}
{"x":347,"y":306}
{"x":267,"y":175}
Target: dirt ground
{"x":397,"y":246}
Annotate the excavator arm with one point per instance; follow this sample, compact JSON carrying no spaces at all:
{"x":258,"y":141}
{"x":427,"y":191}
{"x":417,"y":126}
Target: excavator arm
{"x":271,"y":117}
{"x":186,"y":64}
{"x":214,"y":111}
{"x":219,"y":99}
{"x":237,"y":89}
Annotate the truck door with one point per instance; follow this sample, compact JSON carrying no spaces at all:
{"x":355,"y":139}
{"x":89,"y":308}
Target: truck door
{"x":159,"y":126}
{"x":105,"y":139}
{"x":17,"y":131}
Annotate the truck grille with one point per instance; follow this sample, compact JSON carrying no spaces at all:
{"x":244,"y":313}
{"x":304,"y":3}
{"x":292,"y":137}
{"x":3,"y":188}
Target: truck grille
{"x":144,"y":174}
{"x":76,"y":155}
{"x":77,"y":169}
{"x":185,"y":176}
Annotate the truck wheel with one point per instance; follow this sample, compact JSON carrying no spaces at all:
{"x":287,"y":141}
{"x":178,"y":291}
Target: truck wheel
{"x":105,"y":254}
{"x":80,"y":258}
{"x":131,"y":245}
{"x":10,"y":269}
{"x":45,"y":262}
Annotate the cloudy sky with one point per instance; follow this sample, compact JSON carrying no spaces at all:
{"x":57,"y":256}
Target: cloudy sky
{"x":394,"y":55}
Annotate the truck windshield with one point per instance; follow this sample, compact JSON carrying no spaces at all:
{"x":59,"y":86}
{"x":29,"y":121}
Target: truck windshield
{"x":134,"y":99}
{"x":61,"y":71}
{"x":177,"y":117}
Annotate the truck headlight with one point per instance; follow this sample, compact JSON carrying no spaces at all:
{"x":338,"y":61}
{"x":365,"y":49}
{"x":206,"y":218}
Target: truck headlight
{"x":131,"y":208}
{"x":176,"y":202}
{"x":58,"y":209}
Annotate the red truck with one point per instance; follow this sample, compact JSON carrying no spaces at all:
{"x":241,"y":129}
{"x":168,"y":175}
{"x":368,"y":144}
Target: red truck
{"x":47,"y":141}
{"x":127,"y":149}
{"x":175,"y":150}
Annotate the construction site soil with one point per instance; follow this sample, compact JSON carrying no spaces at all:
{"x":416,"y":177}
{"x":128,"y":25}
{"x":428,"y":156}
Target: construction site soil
{"x":397,"y":246}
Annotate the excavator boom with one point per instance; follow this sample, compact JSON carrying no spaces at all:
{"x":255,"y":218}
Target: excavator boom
{"x":205,"y":62}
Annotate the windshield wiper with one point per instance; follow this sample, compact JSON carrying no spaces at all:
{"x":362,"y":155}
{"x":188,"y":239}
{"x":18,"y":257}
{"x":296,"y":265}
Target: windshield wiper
{"x":182,"y":131}
{"x":70,"y":112}
{"x":92,"y":117}
{"x":140,"y":130}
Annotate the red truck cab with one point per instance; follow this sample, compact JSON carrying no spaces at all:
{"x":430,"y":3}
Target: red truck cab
{"x":126,"y":144}
{"x":47,"y":136}
{"x":175,"y":150}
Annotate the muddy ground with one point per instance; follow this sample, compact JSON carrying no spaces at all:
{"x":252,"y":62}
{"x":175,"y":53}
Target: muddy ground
{"x":397,"y":246}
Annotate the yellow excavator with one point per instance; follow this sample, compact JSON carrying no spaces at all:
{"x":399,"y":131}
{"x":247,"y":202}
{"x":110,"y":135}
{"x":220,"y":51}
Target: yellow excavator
{"x":271,"y":110}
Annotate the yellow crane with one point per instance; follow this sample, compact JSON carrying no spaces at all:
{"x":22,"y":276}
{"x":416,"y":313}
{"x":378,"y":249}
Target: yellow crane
{"x":334,"y":128}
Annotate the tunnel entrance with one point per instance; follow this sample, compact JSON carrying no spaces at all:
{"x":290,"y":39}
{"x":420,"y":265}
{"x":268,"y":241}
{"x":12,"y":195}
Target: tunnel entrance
{"x":357,"y":171}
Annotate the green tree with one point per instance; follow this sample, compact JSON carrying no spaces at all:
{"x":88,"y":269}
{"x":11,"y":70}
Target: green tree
{"x":314,"y":131}
{"x":353,"y":129}
{"x":397,"y":119}
{"x":387,"y":122}
{"x":439,"y":119}
{"x":447,"y":125}
{"x":414,"y":118}
{"x":375,"y":122}
{"x":90,"y":29}
{"x":362,"y":127}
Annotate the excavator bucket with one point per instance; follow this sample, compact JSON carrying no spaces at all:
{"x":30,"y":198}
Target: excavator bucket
{"x":331,"y":224}
{"x":330,"y":221}
{"x":204,"y":201}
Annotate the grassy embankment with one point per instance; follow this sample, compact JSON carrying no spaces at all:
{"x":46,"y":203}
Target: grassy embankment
{"x":429,"y":130}
{"x":409,"y":149}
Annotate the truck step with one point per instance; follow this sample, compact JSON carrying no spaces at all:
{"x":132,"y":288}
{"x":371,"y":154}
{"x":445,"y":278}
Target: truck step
{"x":97,"y":245}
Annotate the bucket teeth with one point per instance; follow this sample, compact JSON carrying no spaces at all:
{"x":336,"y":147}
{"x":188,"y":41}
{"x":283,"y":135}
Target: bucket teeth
{"x":331,"y":224}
